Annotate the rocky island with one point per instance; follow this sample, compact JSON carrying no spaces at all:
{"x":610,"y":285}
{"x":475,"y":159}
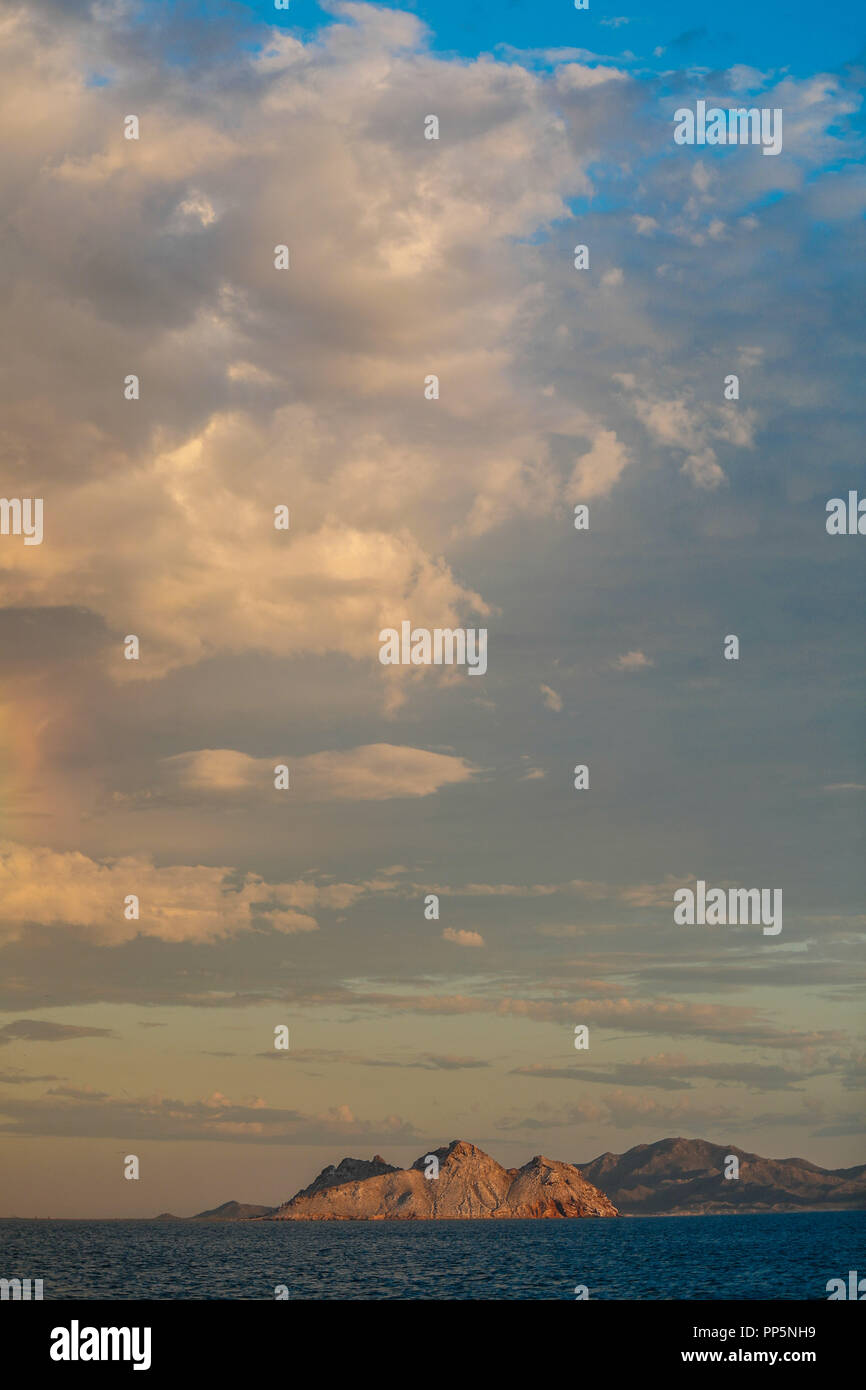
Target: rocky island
{"x":470,"y":1184}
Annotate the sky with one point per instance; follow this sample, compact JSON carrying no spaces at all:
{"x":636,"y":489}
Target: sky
{"x":304,"y":388}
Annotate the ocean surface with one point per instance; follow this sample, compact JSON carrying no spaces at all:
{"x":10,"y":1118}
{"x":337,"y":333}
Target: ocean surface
{"x":788,"y":1256}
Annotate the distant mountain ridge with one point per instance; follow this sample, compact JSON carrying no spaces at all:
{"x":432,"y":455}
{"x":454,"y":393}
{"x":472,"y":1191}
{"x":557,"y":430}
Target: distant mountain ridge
{"x":677,"y":1177}
{"x":232,"y":1211}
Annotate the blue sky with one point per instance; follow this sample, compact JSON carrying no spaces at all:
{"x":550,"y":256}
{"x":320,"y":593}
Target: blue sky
{"x":799,"y":36}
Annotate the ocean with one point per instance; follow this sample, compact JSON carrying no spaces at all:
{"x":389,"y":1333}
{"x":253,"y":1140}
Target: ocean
{"x":780,"y":1256}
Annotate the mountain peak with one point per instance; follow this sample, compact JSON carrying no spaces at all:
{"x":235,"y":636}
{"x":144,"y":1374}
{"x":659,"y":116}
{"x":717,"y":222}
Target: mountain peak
{"x":461,"y":1149}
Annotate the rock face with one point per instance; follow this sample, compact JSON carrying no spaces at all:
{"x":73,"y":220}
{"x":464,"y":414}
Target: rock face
{"x":470,"y":1184}
{"x":232,"y":1211}
{"x":680,"y":1177}
{"x":346,"y":1171}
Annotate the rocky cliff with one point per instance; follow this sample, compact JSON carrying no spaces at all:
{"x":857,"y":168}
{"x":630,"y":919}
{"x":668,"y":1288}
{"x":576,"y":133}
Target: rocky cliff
{"x":470,"y":1184}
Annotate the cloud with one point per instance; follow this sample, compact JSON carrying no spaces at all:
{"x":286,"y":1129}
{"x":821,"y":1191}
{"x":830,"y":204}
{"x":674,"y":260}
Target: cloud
{"x":426,"y":1062}
{"x":449,"y":1062}
{"x":463,"y":938}
{"x":741,"y":1025}
{"x":379,"y":771}
{"x":551,"y":699}
{"x":578,"y":77}
{"x":521,"y":890}
{"x":704,"y":470}
{"x":750,"y":357}
{"x":42,"y":1030}
{"x":644,"y":226}
{"x":20,"y":1078}
{"x":181,"y":902}
{"x":621,"y":1110}
{"x":633,"y":661}
{"x":685,"y":424}
{"x":166,"y":269}
{"x":597,"y":472}
{"x":373,"y":772}
{"x":688,"y":38}
{"x":675,"y":1072}
{"x":83,"y":1113}
{"x":235,"y":358}
{"x":655,"y":894}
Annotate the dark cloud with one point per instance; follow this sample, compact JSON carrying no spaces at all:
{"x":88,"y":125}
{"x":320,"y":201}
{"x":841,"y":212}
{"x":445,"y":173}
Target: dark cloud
{"x":677,"y":1074}
{"x":41,"y":1030}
